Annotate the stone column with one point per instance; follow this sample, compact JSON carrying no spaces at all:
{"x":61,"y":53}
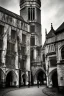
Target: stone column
{"x":3,"y":82}
{"x":3,"y":78}
{"x":17,"y":63}
{"x":16,"y":55}
{"x":47,"y":82}
{"x":35,"y":53}
{"x":28,"y":56}
{"x":47,"y":71}
{"x":6,"y":29}
{"x":4,"y":49}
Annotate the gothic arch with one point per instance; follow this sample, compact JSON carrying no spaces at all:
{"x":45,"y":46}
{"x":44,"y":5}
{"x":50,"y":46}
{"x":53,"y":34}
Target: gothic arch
{"x":52,"y":71}
{"x":40,"y":75}
{"x":23,"y":78}
{"x":53,"y":78}
{"x":38,"y":70}
{"x":11,"y":78}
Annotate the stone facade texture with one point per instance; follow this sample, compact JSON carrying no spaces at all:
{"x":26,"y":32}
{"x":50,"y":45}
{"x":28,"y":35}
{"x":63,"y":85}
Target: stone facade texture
{"x":20,"y":45}
{"x":53,"y":51}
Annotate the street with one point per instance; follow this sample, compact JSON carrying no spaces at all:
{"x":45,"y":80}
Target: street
{"x":33,"y":91}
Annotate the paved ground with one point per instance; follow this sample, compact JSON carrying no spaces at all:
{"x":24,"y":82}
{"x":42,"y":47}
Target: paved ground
{"x":3,"y":91}
{"x":32,"y":91}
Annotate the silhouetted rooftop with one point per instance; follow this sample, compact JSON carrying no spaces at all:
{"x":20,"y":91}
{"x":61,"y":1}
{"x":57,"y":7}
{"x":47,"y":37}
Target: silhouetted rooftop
{"x":51,"y":33}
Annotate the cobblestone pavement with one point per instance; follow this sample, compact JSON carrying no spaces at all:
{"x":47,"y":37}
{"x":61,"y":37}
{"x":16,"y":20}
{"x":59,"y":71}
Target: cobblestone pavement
{"x":51,"y":92}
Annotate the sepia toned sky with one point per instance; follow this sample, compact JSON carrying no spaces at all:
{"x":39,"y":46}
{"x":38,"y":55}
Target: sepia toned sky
{"x":52,"y":11}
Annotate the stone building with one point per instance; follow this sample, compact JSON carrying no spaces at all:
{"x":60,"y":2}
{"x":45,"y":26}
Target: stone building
{"x":20,"y":45}
{"x":14,"y":49}
{"x":30,"y":10}
{"x":54,"y":57}
{"x":50,"y":57}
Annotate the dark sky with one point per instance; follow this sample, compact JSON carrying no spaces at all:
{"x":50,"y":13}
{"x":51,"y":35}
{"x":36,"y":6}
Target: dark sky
{"x":52,"y":11}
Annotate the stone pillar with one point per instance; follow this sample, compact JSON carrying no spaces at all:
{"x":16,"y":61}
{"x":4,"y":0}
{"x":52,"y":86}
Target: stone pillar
{"x":27,"y":63}
{"x":6,"y":29}
{"x":35,"y":54}
{"x":3,"y":83}
{"x":17,"y":63}
{"x":26,"y":78}
{"x":17,"y":79}
{"x":16,"y":56}
{"x":47,"y":71}
{"x":3,"y":78}
{"x":47,"y":82}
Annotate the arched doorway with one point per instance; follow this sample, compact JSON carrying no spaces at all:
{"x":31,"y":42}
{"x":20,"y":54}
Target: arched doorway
{"x":2,"y":78}
{"x":54,"y":79}
{"x":24,"y":79}
{"x":11,"y":79}
{"x":41,"y":77}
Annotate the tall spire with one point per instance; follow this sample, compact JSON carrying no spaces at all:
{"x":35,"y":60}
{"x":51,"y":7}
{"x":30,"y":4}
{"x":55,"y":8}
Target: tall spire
{"x":51,"y":26}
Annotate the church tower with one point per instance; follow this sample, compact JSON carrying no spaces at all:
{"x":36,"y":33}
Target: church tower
{"x":31,"y":13}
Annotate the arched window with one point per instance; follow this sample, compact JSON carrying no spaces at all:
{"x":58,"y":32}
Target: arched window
{"x":31,"y":14}
{"x":62,"y":53}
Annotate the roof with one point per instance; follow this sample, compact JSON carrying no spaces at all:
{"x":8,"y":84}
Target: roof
{"x":10,"y":13}
{"x":50,"y":34}
{"x":60,"y":28}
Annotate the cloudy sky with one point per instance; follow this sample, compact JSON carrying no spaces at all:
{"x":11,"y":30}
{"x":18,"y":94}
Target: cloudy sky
{"x":52,"y":11}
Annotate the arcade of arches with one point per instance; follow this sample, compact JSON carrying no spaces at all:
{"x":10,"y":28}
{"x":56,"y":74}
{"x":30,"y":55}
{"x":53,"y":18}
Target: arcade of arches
{"x":10,"y":79}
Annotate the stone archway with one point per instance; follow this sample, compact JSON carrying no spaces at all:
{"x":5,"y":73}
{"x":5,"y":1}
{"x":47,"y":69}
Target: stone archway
{"x":53,"y":78}
{"x":2,"y":78}
{"x":11,"y":79}
{"x":40,"y":76}
{"x":24,"y":79}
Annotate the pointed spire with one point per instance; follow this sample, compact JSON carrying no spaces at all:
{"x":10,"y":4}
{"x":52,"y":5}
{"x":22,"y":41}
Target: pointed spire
{"x":51,"y":26}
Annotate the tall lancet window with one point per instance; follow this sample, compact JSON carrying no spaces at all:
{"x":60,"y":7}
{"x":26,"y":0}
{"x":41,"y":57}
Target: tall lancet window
{"x":31,"y":14}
